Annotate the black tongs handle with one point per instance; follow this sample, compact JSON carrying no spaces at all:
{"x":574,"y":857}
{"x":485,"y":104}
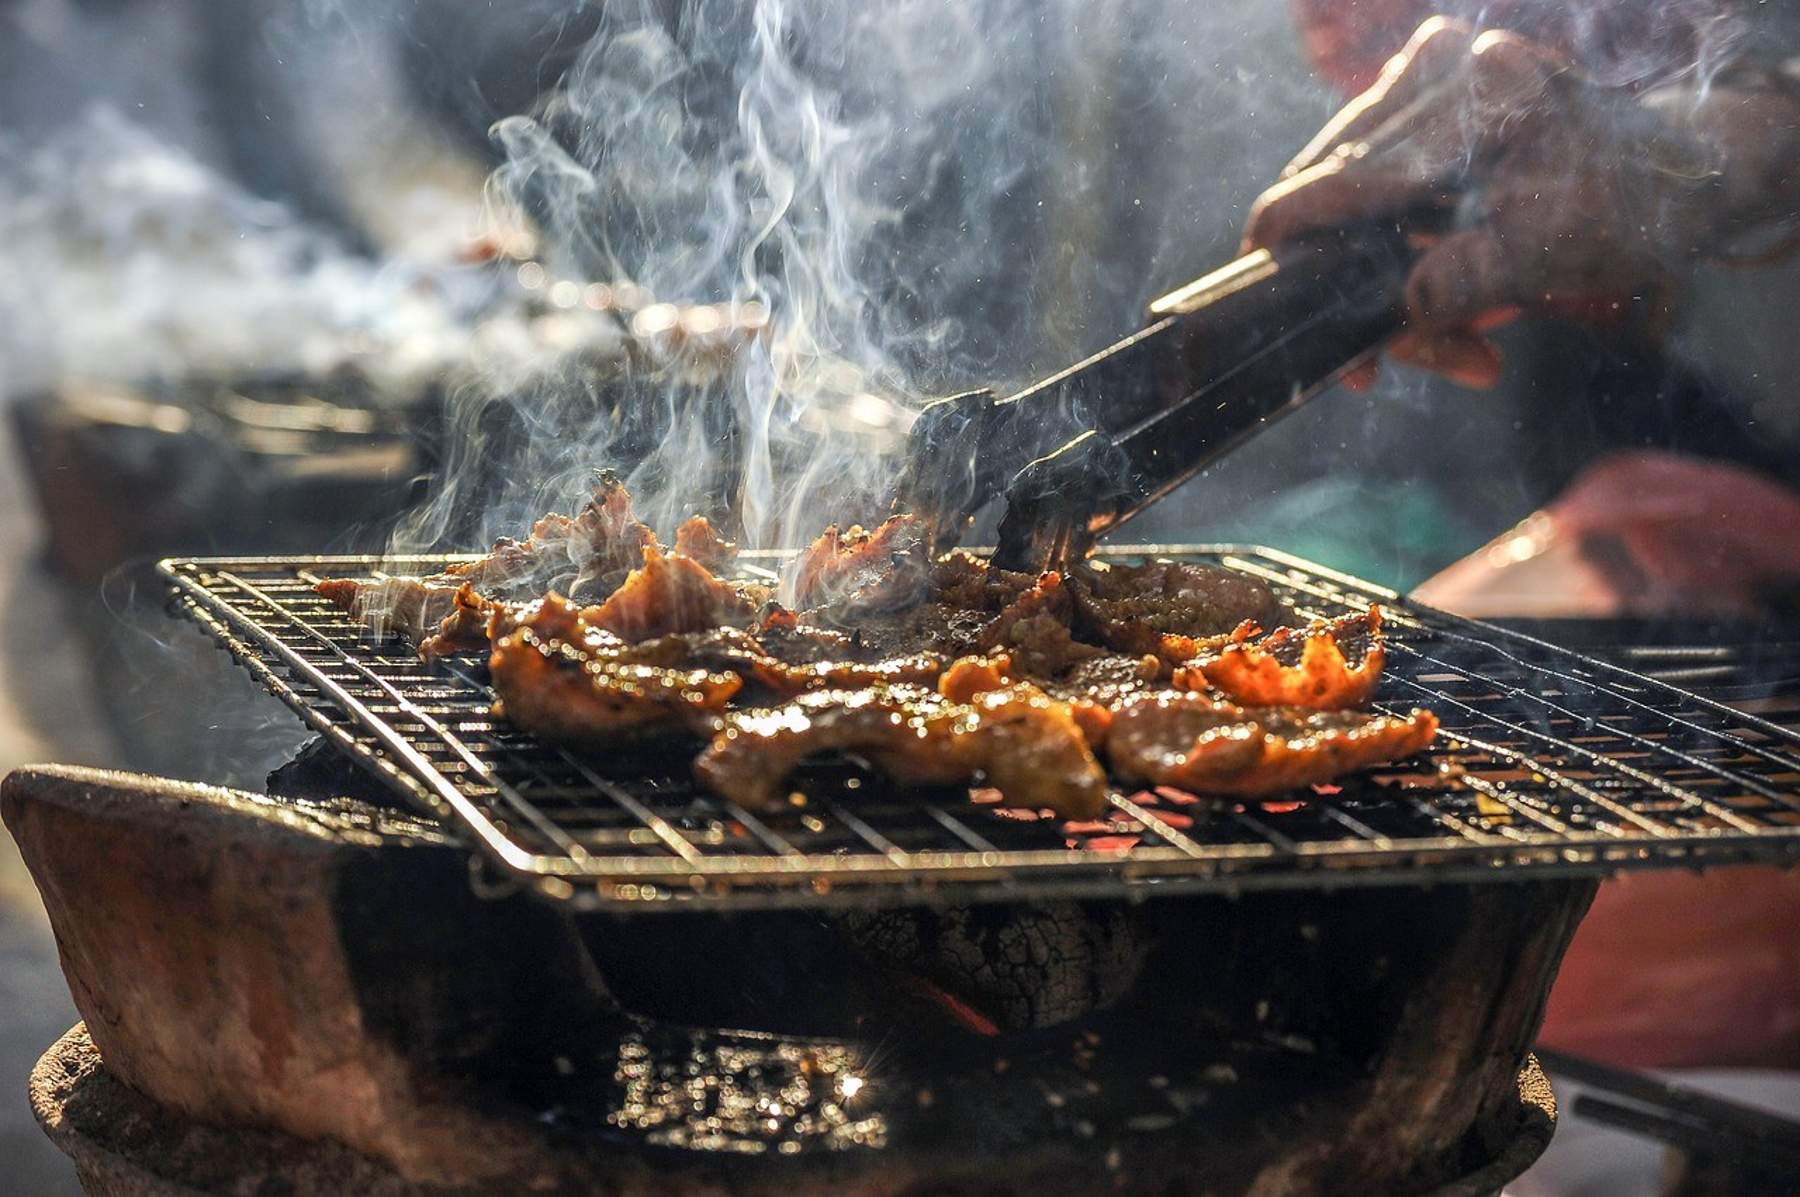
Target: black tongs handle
{"x":1226,"y":356}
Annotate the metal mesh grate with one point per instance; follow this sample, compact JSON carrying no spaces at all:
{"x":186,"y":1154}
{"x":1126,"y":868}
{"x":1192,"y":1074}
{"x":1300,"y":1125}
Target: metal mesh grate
{"x":1548,"y":763}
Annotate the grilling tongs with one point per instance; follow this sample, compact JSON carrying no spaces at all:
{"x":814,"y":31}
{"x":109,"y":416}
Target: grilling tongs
{"x":1079,"y":453}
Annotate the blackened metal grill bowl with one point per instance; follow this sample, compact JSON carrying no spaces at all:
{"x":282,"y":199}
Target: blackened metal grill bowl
{"x":1549,"y":763}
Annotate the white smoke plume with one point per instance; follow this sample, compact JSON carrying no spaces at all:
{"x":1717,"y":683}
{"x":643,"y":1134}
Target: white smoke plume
{"x":124,"y":258}
{"x":896,"y":185}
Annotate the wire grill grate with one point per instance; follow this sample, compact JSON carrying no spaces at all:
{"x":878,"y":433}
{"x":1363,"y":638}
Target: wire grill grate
{"x":1549,"y":763}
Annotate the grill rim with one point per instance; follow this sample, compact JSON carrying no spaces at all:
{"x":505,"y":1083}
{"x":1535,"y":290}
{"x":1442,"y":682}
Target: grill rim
{"x":787,"y":879}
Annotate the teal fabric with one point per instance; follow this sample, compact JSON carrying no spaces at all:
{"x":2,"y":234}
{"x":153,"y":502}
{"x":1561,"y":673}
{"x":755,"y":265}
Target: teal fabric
{"x":1395,"y":534}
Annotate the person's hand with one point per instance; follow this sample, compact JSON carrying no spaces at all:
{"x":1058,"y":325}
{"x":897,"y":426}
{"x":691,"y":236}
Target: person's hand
{"x":1643,"y":533}
{"x":1570,"y":197}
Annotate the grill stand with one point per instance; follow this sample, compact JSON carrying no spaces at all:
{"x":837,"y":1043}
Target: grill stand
{"x":1548,"y":765}
{"x":263,"y":964}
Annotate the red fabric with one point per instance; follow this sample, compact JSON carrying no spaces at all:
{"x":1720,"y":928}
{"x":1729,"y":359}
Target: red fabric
{"x":1619,"y":41}
{"x":1682,"y":969}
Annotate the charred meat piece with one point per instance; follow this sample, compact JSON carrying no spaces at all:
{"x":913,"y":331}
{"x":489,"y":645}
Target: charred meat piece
{"x":566,"y":680}
{"x":1206,"y":746}
{"x":1034,"y":631}
{"x":1047,"y":670}
{"x":671,"y":593}
{"x":1151,"y":608}
{"x":735,"y":650}
{"x":413,"y":607}
{"x":1293,"y":668}
{"x":1022,"y":742}
{"x":582,"y":556}
{"x":865,"y":572}
{"x":465,"y":628}
{"x":699,"y":540}
{"x":969,"y":607}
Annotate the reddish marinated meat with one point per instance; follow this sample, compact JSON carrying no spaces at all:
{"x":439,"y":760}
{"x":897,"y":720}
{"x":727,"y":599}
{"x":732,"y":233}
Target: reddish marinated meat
{"x":1043,"y":671}
{"x":865,"y":572}
{"x":464,"y":629}
{"x":1016,"y":738}
{"x":583,"y":555}
{"x":566,"y":680}
{"x":671,"y":593}
{"x":699,"y":540}
{"x":1265,"y":672}
{"x":1034,"y":631}
{"x":413,"y":607}
{"x":751,"y":658}
{"x":1132,"y":608}
{"x":1200,"y":744}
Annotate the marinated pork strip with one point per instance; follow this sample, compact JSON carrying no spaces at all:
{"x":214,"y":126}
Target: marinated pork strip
{"x":737,"y":651}
{"x":411,"y":606}
{"x":1015,"y":738}
{"x":865,"y":572}
{"x":564,"y":679}
{"x":1197,"y":743}
{"x":583,"y":556}
{"x":970,"y":607}
{"x":697,"y":539}
{"x":1034,"y":631}
{"x":1165,"y":607}
{"x":672,"y":593}
{"x":449,"y":613}
{"x":1047,"y":670}
{"x":1295,"y":668}
{"x":466,"y":629}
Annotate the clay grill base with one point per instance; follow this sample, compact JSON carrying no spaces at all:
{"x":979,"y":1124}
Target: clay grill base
{"x":321,"y":972}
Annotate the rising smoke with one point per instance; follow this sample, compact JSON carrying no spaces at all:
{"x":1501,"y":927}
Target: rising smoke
{"x":916,"y":194}
{"x":125,"y":258}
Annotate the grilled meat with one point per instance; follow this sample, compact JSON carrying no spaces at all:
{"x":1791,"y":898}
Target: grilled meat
{"x":937,"y":672}
{"x":601,"y":553}
{"x":571,"y":681}
{"x":583,"y":556}
{"x":1290,"y":668}
{"x":1207,"y":746}
{"x":413,"y":607}
{"x":1020,"y":740}
{"x":465,"y":628}
{"x":1034,"y":631}
{"x":767,"y":667}
{"x":699,"y":540}
{"x":1165,"y":607}
{"x":859,"y":573}
{"x":672,"y":593}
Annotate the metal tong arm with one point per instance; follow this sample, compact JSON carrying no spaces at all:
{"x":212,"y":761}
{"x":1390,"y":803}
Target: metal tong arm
{"x":1240,"y":348}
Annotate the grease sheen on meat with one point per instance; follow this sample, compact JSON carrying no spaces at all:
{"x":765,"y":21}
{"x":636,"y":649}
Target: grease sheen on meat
{"x":939,"y":671}
{"x":1024,"y":743}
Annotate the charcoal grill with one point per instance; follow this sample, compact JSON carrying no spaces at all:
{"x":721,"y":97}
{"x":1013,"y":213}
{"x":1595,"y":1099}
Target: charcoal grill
{"x":1549,"y":764}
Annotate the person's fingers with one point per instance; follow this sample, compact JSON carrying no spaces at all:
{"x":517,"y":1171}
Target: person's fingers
{"x":1436,"y":50}
{"x":1461,"y":277}
{"x":1511,"y":86}
{"x":1447,"y":100}
{"x":1461,"y":355}
{"x":1361,"y":376}
{"x":1488,"y":321}
{"x":1328,"y":195}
